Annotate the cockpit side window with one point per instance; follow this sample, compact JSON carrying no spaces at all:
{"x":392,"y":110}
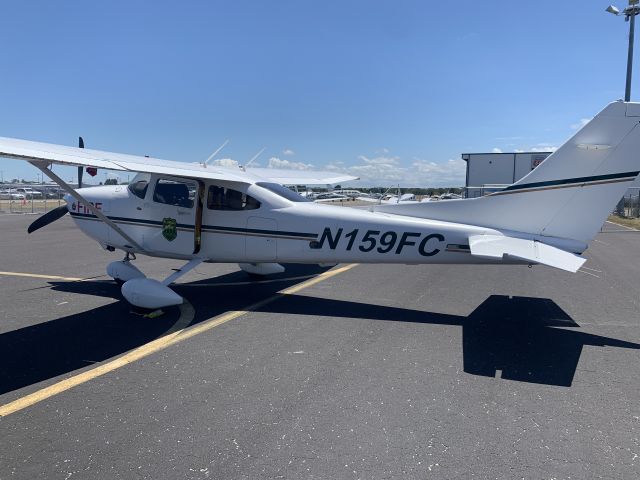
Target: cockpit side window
{"x":173,"y":192}
{"x":139,"y":185}
{"x":221,"y":198}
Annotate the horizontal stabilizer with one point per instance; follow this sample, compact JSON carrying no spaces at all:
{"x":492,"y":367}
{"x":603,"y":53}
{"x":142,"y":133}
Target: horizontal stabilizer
{"x":498,"y":246}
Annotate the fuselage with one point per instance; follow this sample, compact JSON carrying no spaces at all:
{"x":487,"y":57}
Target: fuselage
{"x":259,"y":222}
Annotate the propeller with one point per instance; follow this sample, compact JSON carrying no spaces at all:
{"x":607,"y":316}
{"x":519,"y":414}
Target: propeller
{"x":48,"y":218}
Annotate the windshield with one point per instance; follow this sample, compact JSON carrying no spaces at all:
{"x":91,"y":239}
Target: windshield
{"x":283,"y":191}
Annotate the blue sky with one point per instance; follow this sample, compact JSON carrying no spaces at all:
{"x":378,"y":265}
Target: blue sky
{"x":393,"y":91}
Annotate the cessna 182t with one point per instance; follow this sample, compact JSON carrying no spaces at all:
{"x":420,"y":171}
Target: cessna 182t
{"x":204,"y":214}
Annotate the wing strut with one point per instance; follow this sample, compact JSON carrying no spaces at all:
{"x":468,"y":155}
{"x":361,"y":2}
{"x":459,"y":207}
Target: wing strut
{"x":42,"y":166}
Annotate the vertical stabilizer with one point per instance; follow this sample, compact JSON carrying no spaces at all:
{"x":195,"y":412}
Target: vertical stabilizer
{"x":569,"y":195}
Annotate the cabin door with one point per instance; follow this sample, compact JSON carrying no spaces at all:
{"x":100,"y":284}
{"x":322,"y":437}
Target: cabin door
{"x":175,"y":211}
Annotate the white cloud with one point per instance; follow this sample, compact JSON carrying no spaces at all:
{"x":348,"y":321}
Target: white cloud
{"x":543,"y":148}
{"x":382,"y":160}
{"x":581,"y":123}
{"x":496,"y":150}
{"x":450,"y":173}
{"x":225,"y":162}
{"x":288,"y":152}
{"x":381,"y":170}
{"x":275,"y":162}
{"x":387,"y":171}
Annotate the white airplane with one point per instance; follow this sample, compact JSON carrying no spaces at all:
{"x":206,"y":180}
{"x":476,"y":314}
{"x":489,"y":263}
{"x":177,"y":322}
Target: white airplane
{"x":203,"y":214}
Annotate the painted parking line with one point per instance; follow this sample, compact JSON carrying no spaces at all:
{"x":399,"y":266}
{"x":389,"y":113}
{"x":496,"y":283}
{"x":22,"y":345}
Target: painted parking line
{"x":623,"y":226}
{"x":191,"y":285}
{"x":37,"y":275}
{"x":157,"y":345}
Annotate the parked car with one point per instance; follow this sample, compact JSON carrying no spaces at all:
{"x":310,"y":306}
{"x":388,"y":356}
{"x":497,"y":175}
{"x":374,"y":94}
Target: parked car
{"x":55,"y":193}
{"x":29,"y":193}
{"x":11,"y":195}
{"x":330,"y":197}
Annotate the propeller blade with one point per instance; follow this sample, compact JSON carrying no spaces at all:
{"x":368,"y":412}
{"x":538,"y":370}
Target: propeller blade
{"x":48,"y":218}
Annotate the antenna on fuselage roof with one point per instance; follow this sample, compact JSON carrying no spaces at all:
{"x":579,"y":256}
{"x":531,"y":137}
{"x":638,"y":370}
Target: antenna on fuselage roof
{"x":206,"y":162}
{"x":243,"y":167}
{"x":385,"y":194}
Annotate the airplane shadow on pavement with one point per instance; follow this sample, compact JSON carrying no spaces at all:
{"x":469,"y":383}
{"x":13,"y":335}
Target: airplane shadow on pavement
{"x":39,"y":352}
{"x":525,"y":338}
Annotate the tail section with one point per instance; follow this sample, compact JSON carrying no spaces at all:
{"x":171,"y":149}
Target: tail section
{"x":569,"y":195}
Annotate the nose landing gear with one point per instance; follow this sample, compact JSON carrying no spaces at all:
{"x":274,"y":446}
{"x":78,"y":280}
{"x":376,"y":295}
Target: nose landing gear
{"x":144,"y":292}
{"x":123,"y":270}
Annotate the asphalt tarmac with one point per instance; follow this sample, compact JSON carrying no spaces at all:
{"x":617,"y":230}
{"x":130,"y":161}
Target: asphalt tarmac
{"x":360,"y":372}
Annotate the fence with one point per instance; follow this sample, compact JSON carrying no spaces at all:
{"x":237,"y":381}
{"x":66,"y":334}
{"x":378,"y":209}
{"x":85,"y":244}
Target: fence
{"x":482,"y":190}
{"x":629,"y":206}
{"x":29,"y":205}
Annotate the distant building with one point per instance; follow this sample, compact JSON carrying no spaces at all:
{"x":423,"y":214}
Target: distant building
{"x":490,"y":172}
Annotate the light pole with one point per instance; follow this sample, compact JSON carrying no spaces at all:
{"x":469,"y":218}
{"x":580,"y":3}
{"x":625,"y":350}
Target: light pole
{"x":629,"y":16}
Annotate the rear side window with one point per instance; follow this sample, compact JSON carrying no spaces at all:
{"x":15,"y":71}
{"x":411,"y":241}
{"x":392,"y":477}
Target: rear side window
{"x":283,"y":191}
{"x":221,"y":198}
{"x":173,"y":192}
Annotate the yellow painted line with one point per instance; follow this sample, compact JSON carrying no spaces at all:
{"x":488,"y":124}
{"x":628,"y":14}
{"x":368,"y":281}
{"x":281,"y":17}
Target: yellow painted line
{"x":156,"y":346}
{"x":623,"y":226}
{"x":35,"y":275}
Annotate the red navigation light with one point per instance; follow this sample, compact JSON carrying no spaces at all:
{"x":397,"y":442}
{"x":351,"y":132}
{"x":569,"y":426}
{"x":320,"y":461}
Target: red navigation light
{"x":93,"y":171}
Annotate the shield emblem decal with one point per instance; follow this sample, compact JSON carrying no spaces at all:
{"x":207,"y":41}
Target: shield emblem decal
{"x":169,"y":229}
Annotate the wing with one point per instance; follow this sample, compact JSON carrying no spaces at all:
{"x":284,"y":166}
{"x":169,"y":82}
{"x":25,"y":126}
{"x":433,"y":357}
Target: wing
{"x":73,"y":156}
{"x":62,"y":155}
{"x":301,"y":177}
